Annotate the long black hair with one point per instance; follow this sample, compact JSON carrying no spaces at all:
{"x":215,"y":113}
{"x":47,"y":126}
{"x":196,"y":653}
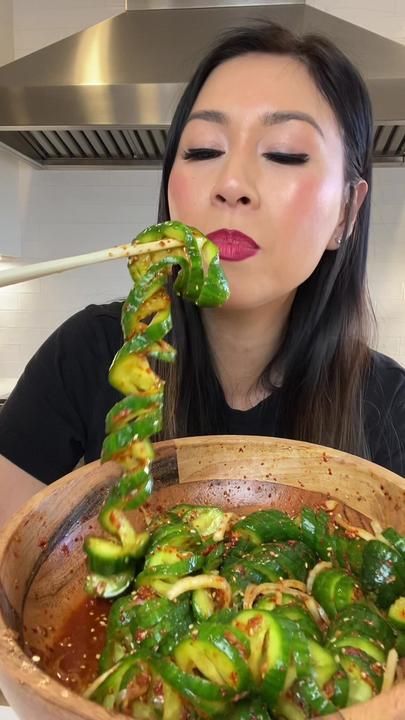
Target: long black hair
{"x":324,"y":355}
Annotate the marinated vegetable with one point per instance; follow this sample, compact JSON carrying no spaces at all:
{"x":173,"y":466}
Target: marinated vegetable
{"x":265,"y":616}
{"x":146,"y":320}
{"x":271,"y":628}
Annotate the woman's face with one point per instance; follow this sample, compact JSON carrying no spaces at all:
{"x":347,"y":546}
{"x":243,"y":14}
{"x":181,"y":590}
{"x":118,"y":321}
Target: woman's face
{"x":261,"y":154}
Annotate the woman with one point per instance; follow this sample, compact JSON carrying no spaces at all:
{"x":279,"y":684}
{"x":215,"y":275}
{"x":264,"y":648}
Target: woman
{"x":269,"y":153}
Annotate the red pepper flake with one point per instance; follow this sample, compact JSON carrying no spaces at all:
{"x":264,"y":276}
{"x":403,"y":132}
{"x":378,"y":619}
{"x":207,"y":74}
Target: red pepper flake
{"x":233,"y":678}
{"x":140,"y":635}
{"x":143,"y":594}
{"x":208,"y":549}
{"x":253,"y":624}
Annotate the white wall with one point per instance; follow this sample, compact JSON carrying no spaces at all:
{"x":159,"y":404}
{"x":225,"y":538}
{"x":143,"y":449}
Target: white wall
{"x":69,"y":211}
{"x":385,"y":17}
{"x":41,"y":22}
{"x":387,"y":260}
{"x":6,"y":32}
{"x":10,"y":227}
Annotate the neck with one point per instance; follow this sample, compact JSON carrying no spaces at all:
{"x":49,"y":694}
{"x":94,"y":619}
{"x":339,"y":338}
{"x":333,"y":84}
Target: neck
{"x":242,"y":344}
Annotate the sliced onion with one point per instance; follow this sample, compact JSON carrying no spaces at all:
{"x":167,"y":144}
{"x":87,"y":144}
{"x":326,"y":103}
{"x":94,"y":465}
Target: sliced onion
{"x":316,"y":570}
{"x":377,"y":529}
{"x":330,"y":505}
{"x":399,"y":675}
{"x":317,"y":611}
{"x":390,"y":670}
{"x":360,"y":532}
{"x":99,"y":680}
{"x":187,"y":584}
{"x":289,"y":587}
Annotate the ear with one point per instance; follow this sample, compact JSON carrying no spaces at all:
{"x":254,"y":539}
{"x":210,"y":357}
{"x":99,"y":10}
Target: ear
{"x":358,"y":195}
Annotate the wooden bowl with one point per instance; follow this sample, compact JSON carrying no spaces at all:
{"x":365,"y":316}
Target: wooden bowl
{"x":42,"y":565}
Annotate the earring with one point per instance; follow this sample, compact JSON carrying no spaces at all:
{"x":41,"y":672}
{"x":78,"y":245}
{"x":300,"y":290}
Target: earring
{"x":338,"y":241}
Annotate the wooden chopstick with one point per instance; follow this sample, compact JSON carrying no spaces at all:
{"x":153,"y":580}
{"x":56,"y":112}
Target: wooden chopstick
{"x":49,"y":267}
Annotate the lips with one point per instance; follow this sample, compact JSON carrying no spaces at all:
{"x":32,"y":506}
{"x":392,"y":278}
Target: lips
{"x":233,"y":245}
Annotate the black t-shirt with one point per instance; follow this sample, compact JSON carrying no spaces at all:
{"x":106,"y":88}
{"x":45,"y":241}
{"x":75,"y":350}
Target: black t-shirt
{"x":55,"y":415}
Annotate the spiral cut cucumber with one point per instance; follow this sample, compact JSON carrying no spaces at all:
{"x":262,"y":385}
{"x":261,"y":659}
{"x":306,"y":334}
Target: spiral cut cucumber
{"x":146,"y":320}
{"x":241,"y":618}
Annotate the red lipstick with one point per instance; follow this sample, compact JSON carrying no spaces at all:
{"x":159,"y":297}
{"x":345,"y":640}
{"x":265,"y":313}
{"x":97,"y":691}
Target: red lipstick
{"x":233,"y":245}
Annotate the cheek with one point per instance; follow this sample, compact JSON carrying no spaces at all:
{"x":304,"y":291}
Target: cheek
{"x":181,"y":195}
{"x":313,"y":206}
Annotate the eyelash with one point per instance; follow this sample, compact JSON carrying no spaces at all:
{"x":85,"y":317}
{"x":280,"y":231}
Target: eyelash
{"x":287,"y":158}
{"x":201,"y":154}
{"x":281,"y":158}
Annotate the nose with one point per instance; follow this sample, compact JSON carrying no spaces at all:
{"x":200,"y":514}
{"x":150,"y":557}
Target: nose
{"x":234,"y":186}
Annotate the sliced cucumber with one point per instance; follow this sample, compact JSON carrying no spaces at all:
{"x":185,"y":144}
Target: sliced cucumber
{"x":396,"y":613}
{"x":203,"y":604}
{"x":108,"y":587}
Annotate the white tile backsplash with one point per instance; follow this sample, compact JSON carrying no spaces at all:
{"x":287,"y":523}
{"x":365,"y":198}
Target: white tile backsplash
{"x":53,"y":213}
{"x":67,"y":213}
{"x":69,"y":223}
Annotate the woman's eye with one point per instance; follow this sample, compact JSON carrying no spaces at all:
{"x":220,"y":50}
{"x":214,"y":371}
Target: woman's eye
{"x":287,"y":158}
{"x":201,"y":154}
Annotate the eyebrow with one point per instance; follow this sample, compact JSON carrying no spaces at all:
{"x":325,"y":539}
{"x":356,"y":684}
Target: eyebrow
{"x":268,"y":119}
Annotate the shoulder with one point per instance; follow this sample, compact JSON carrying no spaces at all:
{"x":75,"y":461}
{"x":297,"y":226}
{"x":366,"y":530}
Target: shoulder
{"x":386,"y":379}
{"x":385,"y":412}
{"x":105,"y":317}
{"x":95,"y":325}
{"x":89,"y":338}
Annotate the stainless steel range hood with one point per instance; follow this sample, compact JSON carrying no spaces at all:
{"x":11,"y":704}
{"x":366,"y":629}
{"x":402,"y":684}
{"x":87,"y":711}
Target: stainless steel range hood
{"x":106,"y":95}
